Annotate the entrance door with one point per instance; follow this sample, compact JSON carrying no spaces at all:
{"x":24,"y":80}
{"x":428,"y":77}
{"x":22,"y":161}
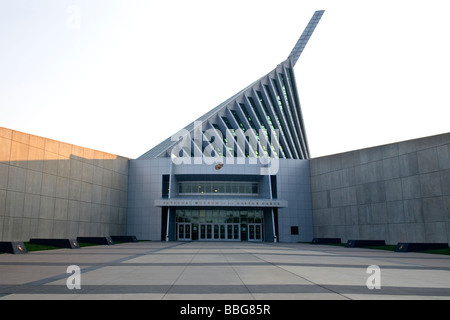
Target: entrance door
{"x":233,"y":231}
{"x":254,"y":232}
{"x":184,"y":231}
{"x":244,"y":232}
{"x":219,"y":231}
{"x":206,"y":231}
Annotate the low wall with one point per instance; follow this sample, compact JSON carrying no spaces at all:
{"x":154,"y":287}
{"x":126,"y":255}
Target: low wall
{"x":51,"y":189}
{"x":398,"y":192}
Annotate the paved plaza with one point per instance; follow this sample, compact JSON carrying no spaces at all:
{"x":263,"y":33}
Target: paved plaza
{"x":224,"y":271}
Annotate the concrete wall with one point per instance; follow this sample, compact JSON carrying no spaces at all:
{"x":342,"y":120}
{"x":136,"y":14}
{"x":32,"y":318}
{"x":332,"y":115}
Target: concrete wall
{"x":397,"y":192}
{"x":53,"y":189}
{"x":144,"y":187}
{"x":293,"y":184}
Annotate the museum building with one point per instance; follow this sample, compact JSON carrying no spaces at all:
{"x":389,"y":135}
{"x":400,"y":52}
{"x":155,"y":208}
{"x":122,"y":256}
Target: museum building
{"x":241,"y":172}
{"x":229,"y":175}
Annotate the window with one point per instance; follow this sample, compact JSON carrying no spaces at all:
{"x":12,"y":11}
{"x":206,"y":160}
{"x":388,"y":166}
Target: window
{"x":247,"y":115}
{"x":228,"y":124}
{"x":294,"y":230}
{"x":165,"y":185}
{"x":238,"y":120}
{"x":218,"y":188}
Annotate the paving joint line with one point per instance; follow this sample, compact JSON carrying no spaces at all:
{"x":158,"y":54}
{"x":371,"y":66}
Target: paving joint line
{"x":93,"y":267}
{"x":181,"y":273}
{"x":232,"y":267}
{"x":312,"y":282}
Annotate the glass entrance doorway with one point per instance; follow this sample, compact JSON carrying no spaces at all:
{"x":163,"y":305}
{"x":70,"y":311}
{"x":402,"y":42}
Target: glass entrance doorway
{"x":184,"y":231}
{"x":219,"y":231}
{"x":220,"y":224}
{"x":254,"y":232}
{"x":233,"y":231}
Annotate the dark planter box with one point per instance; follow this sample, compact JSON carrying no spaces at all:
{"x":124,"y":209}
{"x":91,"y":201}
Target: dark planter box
{"x":124,"y":238}
{"x":364,"y":243}
{"x":414,"y":247}
{"x":96,"y":240}
{"x":13,"y":247}
{"x":325,"y":240}
{"x":61,"y":243}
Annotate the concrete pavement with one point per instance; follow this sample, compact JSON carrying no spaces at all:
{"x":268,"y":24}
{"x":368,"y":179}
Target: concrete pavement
{"x":224,"y":271}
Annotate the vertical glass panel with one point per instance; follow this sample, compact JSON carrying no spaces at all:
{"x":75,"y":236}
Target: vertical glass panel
{"x":235,"y":231}
{"x":251,"y":232}
{"x":187,"y":231}
{"x":194,"y":231}
{"x":255,"y":110}
{"x":223,"y":214}
{"x":202,"y":231}
{"x":202,"y":217}
{"x":251,"y":216}
{"x":229,"y":216}
{"x":238,"y":120}
{"x":216,"y":231}
{"x":165,"y":185}
{"x":244,"y":232}
{"x":209,"y":216}
{"x":222,"y":231}
{"x":236,"y":218}
{"x":247,"y":115}
{"x":258,"y":216}
{"x":244,"y":216}
{"x":229,"y":231}
{"x":181,"y":231}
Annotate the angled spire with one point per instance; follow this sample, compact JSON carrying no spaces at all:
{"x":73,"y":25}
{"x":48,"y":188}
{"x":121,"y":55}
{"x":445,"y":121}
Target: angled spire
{"x":304,"y":38}
{"x":250,"y":116}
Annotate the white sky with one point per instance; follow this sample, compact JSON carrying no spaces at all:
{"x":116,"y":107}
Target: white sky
{"x":122,"y":76}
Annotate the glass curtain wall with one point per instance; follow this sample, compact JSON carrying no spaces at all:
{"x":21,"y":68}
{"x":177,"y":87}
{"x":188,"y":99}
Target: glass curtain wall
{"x":218,"y":188}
